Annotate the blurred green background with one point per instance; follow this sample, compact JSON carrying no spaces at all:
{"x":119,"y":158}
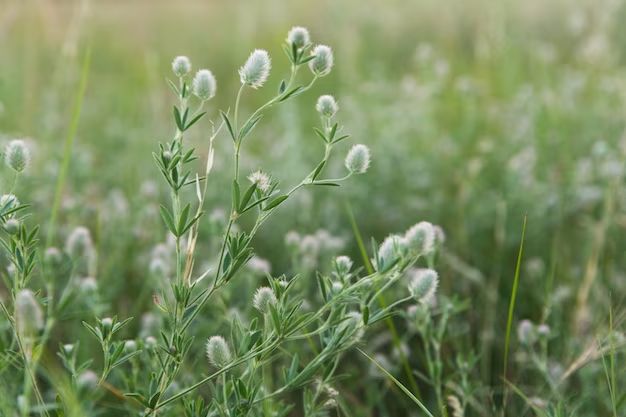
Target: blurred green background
{"x":478,"y":113}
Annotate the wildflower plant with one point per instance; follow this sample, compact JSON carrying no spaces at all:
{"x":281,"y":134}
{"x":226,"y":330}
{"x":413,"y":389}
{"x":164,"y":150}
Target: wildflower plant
{"x":239,"y":360}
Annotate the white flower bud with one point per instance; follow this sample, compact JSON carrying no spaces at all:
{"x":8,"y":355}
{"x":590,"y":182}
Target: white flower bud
{"x":204,"y":84}
{"x":150,"y":342}
{"x":343,"y":265}
{"x":53,"y":257}
{"x":88,"y":285}
{"x":68,"y":349}
{"x":17,"y":155}
{"x":12,"y":226}
{"x":298,"y":36}
{"x":181,"y":66}
{"x":87,"y":380}
{"x":264,"y":297}
{"x":423,"y":284}
{"x":526,"y":332}
{"x":256,"y":69}
{"x":323,"y":61}
{"x":421,"y":238}
{"x":107,"y":325}
{"x":326,"y":106}
{"x":78,"y":243}
{"x":358,"y":159}
{"x":130,"y":346}
{"x":218,"y":351}
{"x":28,"y":315}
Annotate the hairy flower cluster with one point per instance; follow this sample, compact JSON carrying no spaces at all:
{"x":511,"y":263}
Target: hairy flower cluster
{"x":28,"y":314}
{"x":257,"y":68}
{"x":298,"y":36}
{"x":261,"y":180}
{"x":17,"y":155}
{"x":204,"y":85}
{"x":218,"y":352}
{"x":181,"y":66}
{"x":323,"y":60}
{"x":423,"y":284}
{"x":327,"y":106}
{"x":358,"y":159}
{"x":264,"y":297}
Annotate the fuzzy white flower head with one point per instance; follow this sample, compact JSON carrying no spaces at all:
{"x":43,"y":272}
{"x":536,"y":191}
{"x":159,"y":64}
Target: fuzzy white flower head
{"x":390,"y":251}
{"x":78,"y":243}
{"x":323,"y":61}
{"x":218,"y":351}
{"x":343,"y":265}
{"x":256,"y":69}
{"x":423,"y":284}
{"x":526,"y":332}
{"x":421,"y":237}
{"x":298,"y":36}
{"x":327,"y":105}
{"x":28,"y":314}
{"x":261,"y":179}
{"x":259,"y":266}
{"x":264,"y":297}
{"x":9,"y":201}
{"x":204,"y":84}
{"x":358,"y":159}
{"x":181,"y":65}
{"x":17,"y":155}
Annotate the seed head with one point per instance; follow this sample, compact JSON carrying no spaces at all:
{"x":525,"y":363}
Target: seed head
{"x":323,"y":61}
{"x":298,"y":36}
{"x":218,"y":351}
{"x":264,"y":297}
{"x":326,"y":106}
{"x":204,"y":84}
{"x":181,"y":65}
{"x":17,"y":155}
{"x":421,"y":238}
{"x":256,"y":69}
{"x":358,"y":159}
{"x":28,"y":314}
{"x":423,"y":284}
{"x":261,"y":179}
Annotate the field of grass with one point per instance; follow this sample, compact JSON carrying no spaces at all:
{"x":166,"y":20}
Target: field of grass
{"x":498,"y":128}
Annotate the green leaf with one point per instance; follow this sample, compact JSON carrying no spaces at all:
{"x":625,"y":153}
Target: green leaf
{"x":275,"y":202}
{"x":398,"y":384}
{"x":246,"y":198}
{"x":236,"y":195}
{"x":194,"y":120}
{"x":294,"y":92}
{"x":168,"y":219}
{"x":178,"y":119}
{"x":228,"y":126}
{"x":247,"y":128}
